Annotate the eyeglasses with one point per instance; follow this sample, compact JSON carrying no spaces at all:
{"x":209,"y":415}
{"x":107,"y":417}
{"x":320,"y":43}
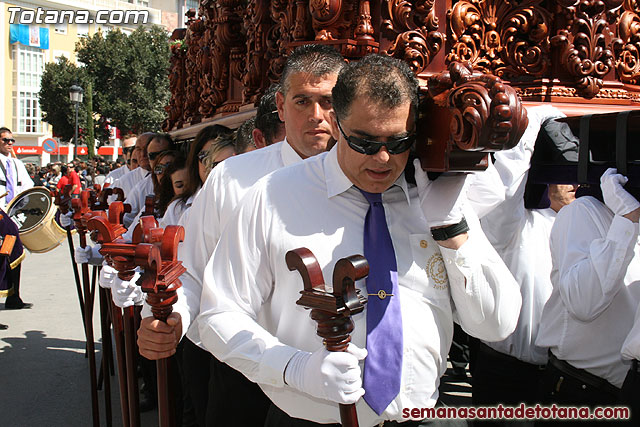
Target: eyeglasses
{"x":154,"y":155}
{"x":159,"y":169}
{"x":127,"y":150}
{"x":8,"y":140}
{"x":203,"y":155}
{"x":368,"y":147}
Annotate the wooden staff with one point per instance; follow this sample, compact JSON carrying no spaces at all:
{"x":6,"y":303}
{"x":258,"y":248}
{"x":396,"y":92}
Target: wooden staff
{"x":63,"y":201}
{"x":332,"y":311}
{"x":80,"y":208}
{"x":157,"y":255}
{"x":108,"y":232}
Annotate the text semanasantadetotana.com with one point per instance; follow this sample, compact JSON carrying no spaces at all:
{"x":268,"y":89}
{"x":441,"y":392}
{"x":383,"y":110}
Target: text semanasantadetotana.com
{"x":522,"y":412}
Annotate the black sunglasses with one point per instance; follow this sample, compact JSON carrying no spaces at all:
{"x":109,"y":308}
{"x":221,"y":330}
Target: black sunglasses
{"x":153,"y":155}
{"x":203,"y":155}
{"x":127,"y":150}
{"x":159,"y":169}
{"x":9,"y":140}
{"x":368,"y":147}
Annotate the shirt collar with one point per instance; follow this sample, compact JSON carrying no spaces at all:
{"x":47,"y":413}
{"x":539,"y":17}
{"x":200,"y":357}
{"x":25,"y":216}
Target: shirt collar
{"x":337,"y":181}
{"x":289,"y":155}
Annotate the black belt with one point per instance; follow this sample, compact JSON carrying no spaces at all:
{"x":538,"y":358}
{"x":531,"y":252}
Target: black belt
{"x":505,"y":358}
{"x":583,"y":376}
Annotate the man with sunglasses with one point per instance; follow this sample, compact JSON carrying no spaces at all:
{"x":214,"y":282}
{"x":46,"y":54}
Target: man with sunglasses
{"x":128,"y":145}
{"x":429,"y":264}
{"x":148,"y":157}
{"x":14,"y":179}
{"x":304,"y":104}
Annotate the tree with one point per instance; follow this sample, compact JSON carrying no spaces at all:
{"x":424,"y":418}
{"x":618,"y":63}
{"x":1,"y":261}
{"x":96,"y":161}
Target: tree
{"x":90,"y":140}
{"x":129,"y":76}
{"x":57,"y":109}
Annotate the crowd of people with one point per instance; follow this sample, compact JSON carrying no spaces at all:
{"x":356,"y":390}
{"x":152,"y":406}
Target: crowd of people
{"x":544,"y":288}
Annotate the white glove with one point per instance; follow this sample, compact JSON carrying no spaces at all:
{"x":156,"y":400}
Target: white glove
{"x":127,"y":293}
{"x":88,"y":254}
{"x":442,"y":199}
{"x":107,"y":275}
{"x":333,"y":376}
{"x":615,"y":197}
{"x":66,"y":220}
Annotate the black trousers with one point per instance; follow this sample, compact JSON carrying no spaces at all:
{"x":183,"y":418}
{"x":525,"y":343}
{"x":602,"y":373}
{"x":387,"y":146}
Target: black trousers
{"x":631,"y":392}
{"x":14,"y":282}
{"x":459,"y":351}
{"x":500,"y":378}
{"x":278,"y":418}
{"x":221,"y":396}
{"x":574,"y":387}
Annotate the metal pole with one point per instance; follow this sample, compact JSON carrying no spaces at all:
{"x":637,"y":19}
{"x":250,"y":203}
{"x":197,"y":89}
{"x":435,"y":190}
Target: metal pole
{"x":75,"y":140}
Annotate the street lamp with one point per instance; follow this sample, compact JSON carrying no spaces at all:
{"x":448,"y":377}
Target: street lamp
{"x":75,"y":94}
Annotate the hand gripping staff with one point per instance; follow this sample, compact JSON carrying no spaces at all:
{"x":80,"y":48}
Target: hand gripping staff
{"x":120,"y":256}
{"x":157,"y":255}
{"x":332,"y":311}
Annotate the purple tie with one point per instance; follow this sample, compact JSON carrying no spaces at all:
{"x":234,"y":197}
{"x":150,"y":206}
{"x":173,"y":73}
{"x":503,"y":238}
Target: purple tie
{"x":383,"y":365}
{"x":10,"y":185}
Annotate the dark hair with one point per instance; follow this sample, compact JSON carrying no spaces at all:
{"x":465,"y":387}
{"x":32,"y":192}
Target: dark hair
{"x":4,"y":129}
{"x":267,"y":119}
{"x":63,"y":170}
{"x":164,"y":137}
{"x":315,"y":59}
{"x":379,"y":78}
{"x":244,"y":136}
{"x":205,"y":135}
{"x":164,"y":190}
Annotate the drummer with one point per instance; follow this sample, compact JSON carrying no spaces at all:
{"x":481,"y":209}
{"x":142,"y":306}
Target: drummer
{"x":14,"y":178}
{"x":10,"y":263}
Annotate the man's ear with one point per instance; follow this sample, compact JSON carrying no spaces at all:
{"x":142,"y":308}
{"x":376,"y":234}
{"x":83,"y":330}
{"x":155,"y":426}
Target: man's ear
{"x":280,"y":105}
{"x":335,"y":132}
{"x":258,"y":138}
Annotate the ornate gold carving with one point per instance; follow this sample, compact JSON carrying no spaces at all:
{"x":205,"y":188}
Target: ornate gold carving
{"x":414,"y":26}
{"x":502,"y":37}
{"x":585,"y":44}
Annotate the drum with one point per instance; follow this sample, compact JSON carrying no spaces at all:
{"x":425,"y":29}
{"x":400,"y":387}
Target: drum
{"x":34,"y":213}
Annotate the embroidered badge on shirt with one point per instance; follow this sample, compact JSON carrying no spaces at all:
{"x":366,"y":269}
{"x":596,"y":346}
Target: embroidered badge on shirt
{"x":437,"y":272}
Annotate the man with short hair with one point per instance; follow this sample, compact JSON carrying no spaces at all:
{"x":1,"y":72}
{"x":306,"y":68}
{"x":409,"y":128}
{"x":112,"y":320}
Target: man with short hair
{"x":269,"y":129}
{"x":14,"y":178}
{"x":128,"y":145}
{"x":305,"y":106}
{"x":129,"y":180}
{"x":158,"y":144}
{"x":429,"y":264}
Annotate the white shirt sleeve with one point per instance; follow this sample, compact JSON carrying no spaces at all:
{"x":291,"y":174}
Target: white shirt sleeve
{"x":590,"y":260}
{"x":237,"y":280}
{"x":486,"y":296}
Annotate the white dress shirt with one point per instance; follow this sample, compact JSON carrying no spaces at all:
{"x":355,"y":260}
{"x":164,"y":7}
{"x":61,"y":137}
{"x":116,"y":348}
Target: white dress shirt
{"x":21,"y":177}
{"x":249,"y":317}
{"x":174,"y":212}
{"x":596,"y":288}
{"x":116,"y":174}
{"x":521,"y":237}
{"x":212,"y":207}
{"x":631,"y":345}
{"x":130,"y":180}
{"x":136,"y":198}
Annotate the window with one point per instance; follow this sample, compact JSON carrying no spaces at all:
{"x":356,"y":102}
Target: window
{"x":82,"y":29}
{"x":60,"y":28}
{"x":28,"y":65}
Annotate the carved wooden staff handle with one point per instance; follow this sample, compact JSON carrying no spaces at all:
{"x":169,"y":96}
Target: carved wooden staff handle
{"x":332,"y":311}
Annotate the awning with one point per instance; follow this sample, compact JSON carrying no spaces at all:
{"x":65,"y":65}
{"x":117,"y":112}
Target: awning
{"x":29,"y":35}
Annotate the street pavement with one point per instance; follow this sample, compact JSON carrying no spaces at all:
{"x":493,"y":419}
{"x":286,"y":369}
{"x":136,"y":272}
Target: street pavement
{"x":44,"y":375}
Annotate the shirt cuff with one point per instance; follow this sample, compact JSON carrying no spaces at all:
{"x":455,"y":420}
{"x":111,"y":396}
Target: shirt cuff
{"x":460,"y":263}
{"x":623,"y":231}
{"x":273,"y":363}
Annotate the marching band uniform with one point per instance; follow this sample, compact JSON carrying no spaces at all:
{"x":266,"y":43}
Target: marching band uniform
{"x":249,"y":318}
{"x":18,"y":178}
{"x":10,"y":264}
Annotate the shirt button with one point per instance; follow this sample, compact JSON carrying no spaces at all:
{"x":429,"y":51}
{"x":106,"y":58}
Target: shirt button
{"x":459,"y":262}
{"x":423,"y":243}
